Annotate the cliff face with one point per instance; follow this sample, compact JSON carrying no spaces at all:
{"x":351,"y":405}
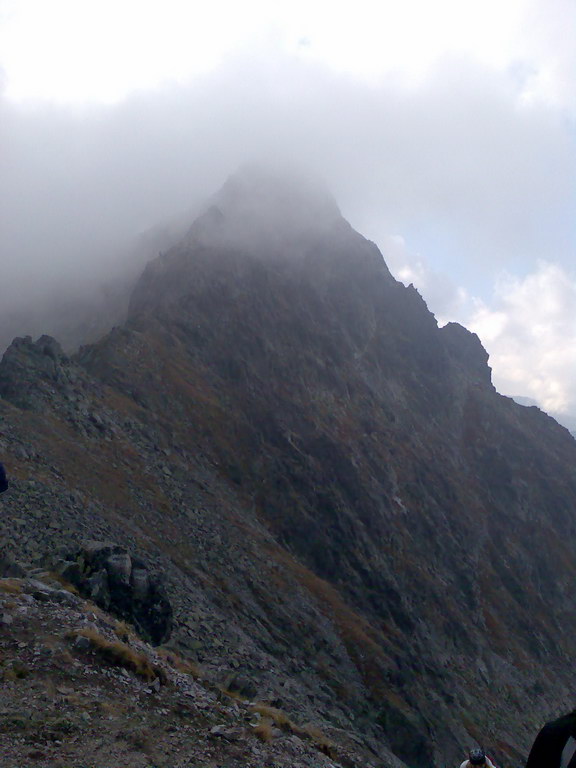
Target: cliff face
{"x":344,"y":505}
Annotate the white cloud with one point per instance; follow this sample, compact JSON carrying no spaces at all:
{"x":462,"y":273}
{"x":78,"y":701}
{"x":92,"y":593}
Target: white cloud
{"x":472,"y":181}
{"x":530,"y":333}
{"x":547,"y":35}
{"x":87,"y":50}
{"x":448,"y":301}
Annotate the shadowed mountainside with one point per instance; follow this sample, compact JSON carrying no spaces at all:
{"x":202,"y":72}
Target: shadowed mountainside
{"x":344,"y":507}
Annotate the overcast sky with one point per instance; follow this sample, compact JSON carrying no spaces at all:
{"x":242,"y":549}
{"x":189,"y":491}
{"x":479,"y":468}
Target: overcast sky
{"x":445,"y":131}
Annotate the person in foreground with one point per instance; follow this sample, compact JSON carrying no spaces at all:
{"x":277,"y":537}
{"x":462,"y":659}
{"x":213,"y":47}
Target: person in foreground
{"x":3,"y":479}
{"x":477,"y":757}
{"x":555,"y":744}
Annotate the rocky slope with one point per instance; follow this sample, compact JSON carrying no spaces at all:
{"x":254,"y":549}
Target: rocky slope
{"x":344,"y":508}
{"x":80,"y":688}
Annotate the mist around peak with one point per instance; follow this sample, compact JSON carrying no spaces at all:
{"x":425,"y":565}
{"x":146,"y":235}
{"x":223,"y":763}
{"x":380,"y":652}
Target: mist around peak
{"x":278,"y":193}
{"x":268,"y":208}
{"x":454,"y":178}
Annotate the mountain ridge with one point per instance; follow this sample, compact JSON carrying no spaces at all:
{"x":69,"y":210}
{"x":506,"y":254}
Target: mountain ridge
{"x":295,"y":401}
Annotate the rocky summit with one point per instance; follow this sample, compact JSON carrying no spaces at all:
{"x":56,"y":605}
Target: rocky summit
{"x":278,"y":518}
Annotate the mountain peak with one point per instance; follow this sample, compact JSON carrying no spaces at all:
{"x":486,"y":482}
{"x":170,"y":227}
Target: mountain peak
{"x":344,"y":509}
{"x":260,"y":218}
{"x":263,"y":208}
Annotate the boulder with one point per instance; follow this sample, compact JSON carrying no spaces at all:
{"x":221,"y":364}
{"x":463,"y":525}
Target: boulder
{"x":106,"y":573}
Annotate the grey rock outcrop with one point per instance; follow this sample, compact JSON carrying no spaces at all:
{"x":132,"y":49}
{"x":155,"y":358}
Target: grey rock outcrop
{"x":28,"y":364}
{"x":108,"y":575}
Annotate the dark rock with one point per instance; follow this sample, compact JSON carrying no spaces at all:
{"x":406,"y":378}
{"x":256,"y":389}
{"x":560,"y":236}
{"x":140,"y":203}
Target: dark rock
{"x":155,"y":685}
{"x":97,"y":588}
{"x":467,"y":348}
{"x":65,"y":597}
{"x":9,"y":567}
{"x":407,"y":736}
{"x":106,"y":573}
{"x":82,"y":643}
{"x":140,"y":582}
{"x":26,"y":365}
{"x":33,"y":586}
{"x":243,"y":685}
{"x":70,"y":571}
{"x":119,"y":566}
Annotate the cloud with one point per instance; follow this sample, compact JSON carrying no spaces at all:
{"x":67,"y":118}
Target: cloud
{"x":447,"y":300}
{"x":103,"y":50}
{"x":457,"y":167}
{"x":530,"y":334}
{"x":551,"y":51}
{"x":457,"y":177}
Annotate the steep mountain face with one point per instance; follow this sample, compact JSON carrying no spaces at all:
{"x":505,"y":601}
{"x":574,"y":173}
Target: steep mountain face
{"x":344,"y":507}
{"x":565,"y":419}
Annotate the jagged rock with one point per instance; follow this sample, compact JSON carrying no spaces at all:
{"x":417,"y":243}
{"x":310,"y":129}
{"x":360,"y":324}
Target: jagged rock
{"x":96,"y":587}
{"x":26,"y":364}
{"x":467,"y":348}
{"x":106,"y":573}
{"x":140,"y":582}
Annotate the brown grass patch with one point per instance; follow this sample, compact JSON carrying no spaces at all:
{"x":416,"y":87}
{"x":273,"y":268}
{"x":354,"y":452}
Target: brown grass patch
{"x":121,"y":655}
{"x":319,"y":739}
{"x":279,"y":718}
{"x":123,"y":630}
{"x":230,"y":694}
{"x":272,"y":716}
{"x":264,"y":732}
{"x":322,"y":743}
{"x":58,"y":578}
{"x":16,"y":671}
{"x":11,"y":586}
{"x":313,"y":732}
{"x":186,"y":666}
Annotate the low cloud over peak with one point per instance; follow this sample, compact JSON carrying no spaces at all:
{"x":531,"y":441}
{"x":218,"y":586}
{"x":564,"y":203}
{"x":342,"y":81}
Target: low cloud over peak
{"x":475,"y":178}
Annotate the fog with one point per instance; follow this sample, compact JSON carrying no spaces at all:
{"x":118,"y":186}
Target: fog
{"x":467,"y":188}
